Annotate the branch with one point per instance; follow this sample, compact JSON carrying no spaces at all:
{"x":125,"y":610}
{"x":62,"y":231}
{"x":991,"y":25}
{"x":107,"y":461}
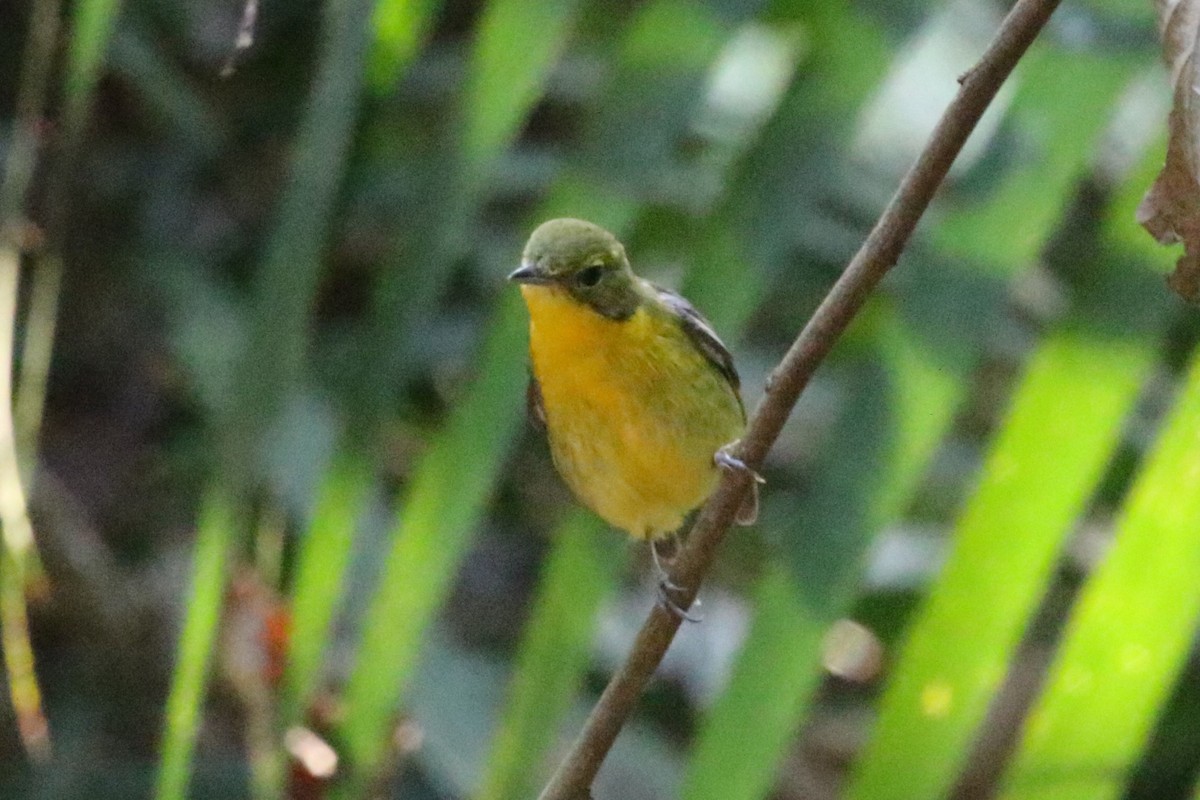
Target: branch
{"x":878,"y":254}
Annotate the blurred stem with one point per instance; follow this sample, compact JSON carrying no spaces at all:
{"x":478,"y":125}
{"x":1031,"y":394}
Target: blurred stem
{"x":92,"y":25}
{"x":93,"y":22}
{"x":268,"y":762}
{"x":24,"y":690}
{"x":872,"y":262}
{"x":269,"y":544}
{"x":321,"y":566}
{"x":218,"y":522}
{"x":38,"y":59}
{"x":31,"y":98}
{"x":41,"y":321}
{"x":18,"y":539}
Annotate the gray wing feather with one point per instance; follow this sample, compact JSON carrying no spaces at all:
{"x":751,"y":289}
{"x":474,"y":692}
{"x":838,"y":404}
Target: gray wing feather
{"x":701,"y":333}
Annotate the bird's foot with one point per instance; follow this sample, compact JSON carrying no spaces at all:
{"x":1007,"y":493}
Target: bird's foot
{"x":666,"y":586}
{"x":725,"y":459}
{"x":665,"y":589}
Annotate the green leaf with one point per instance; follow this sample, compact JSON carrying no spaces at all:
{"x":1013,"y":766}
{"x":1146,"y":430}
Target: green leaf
{"x":1130,"y":633}
{"x":400,"y":28}
{"x":1005,"y":545}
{"x":92,"y":26}
{"x":517,"y":44}
{"x":215,"y":534}
{"x":442,"y":506}
{"x":581,"y":570}
{"x":321,"y":566}
{"x":672,"y":34}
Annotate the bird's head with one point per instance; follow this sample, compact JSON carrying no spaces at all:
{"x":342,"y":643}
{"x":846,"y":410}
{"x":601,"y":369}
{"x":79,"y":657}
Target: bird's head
{"x":583,"y":260}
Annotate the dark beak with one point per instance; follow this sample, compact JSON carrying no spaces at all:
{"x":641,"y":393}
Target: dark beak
{"x":529,"y":273}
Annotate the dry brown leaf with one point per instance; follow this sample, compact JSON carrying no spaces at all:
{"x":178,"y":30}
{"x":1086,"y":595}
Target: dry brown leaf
{"x":1170,"y":211}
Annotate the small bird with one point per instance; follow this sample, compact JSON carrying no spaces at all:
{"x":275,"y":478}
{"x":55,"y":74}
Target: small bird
{"x":638,"y":395}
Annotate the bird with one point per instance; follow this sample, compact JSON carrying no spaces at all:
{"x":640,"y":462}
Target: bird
{"x":638,"y":395}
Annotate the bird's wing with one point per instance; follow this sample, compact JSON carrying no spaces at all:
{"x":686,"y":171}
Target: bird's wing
{"x":534,"y":404}
{"x":706,"y":340}
{"x":701,"y":333}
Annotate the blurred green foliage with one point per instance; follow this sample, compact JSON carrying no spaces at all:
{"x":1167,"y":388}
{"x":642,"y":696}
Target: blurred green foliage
{"x":288,"y":374}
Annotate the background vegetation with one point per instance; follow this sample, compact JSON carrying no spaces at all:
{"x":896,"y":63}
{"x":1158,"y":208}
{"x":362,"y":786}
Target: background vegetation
{"x":284,"y":501}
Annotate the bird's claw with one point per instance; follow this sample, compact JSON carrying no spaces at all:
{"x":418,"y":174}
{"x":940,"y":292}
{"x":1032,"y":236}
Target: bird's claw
{"x":668,"y":604}
{"x":665,"y":584}
{"x":725,"y":459}
{"x":668,"y":587}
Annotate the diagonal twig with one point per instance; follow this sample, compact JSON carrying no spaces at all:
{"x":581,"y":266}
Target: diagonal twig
{"x":878,"y":254}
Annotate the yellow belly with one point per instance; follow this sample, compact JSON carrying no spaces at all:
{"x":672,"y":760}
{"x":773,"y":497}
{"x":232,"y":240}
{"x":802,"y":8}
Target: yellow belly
{"x":634,"y":412}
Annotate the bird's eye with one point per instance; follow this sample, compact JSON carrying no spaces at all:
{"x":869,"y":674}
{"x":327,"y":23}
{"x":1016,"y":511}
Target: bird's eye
{"x":590,"y":276}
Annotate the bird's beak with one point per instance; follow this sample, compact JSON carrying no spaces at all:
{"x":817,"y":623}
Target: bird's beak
{"x":530,"y":273}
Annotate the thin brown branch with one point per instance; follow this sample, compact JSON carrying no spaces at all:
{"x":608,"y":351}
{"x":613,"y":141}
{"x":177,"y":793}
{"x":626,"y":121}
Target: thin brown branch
{"x":878,"y":254}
